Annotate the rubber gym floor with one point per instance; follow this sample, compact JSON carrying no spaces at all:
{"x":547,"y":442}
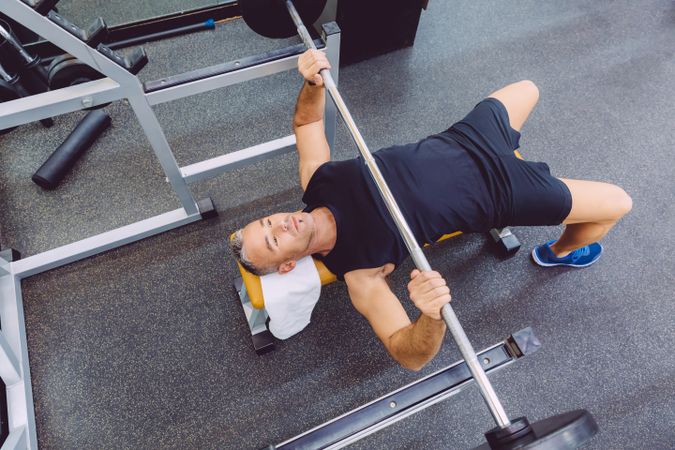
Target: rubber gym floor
{"x":146,"y":346}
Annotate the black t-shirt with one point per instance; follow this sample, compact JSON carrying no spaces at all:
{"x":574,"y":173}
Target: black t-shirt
{"x":441,"y":185}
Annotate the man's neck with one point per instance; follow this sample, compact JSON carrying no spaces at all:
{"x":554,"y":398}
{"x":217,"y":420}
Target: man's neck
{"x":325,"y":232}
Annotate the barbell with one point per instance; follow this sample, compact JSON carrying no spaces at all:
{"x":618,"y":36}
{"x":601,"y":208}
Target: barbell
{"x":285,"y":18}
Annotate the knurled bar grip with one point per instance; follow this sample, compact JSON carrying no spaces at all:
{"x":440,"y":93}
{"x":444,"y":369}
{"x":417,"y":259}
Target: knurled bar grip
{"x":416,"y":253}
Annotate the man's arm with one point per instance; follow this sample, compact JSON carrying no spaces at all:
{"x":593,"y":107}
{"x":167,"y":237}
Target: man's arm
{"x":308,"y":126}
{"x":411,"y":344}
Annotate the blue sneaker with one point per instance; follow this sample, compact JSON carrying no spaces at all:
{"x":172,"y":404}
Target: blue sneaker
{"x":581,"y":257}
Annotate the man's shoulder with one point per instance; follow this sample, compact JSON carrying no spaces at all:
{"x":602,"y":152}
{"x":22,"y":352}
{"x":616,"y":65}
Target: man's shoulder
{"x":328,"y":179}
{"x":367,"y":285}
{"x":366,"y":275}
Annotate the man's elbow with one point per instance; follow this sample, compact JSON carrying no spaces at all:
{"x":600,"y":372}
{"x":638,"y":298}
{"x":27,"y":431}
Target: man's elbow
{"x":408,"y":358}
{"x":300,"y":120}
{"x":413,"y":366}
{"x":411,"y":362}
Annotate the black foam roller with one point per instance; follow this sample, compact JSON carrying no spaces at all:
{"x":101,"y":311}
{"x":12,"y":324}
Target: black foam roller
{"x":66,"y":155}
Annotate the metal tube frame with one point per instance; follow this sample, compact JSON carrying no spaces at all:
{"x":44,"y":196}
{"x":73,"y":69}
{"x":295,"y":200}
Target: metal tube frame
{"x":118,"y":84}
{"x":20,"y":409}
{"x":486,"y":389}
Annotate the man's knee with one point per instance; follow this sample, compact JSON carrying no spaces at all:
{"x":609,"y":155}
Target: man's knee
{"x":597,"y":202}
{"x":619,"y":202}
{"x":519,"y":99}
{"x":530,"y":90}
{"x":624,"y":202}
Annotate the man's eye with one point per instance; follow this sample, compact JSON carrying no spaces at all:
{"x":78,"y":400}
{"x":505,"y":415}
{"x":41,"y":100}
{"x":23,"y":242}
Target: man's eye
{"x":275,"y":242}
{"x":269,"y":222}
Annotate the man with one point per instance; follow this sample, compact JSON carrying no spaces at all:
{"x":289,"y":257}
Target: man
{"x":465,"y":178}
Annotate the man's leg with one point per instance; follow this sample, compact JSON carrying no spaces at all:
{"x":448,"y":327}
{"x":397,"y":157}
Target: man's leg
{"x":596,"y":208}
{"x":519,"y":99}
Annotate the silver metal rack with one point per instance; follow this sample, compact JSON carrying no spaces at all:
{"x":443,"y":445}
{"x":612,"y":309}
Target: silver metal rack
{"x":118,"y":84}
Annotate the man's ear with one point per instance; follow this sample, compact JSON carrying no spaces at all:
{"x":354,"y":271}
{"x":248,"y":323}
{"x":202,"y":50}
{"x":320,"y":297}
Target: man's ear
{"x":287,"y":266}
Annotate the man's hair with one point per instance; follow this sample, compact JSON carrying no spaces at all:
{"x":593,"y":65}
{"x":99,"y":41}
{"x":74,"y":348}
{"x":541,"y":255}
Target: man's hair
{"x":237,"y":247}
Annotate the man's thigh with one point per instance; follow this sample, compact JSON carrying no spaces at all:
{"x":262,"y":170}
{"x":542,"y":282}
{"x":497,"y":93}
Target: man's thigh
{"x":537,"y":197}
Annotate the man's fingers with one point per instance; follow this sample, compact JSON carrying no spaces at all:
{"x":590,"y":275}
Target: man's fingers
{"x":435,"y":295}
{"x":310,"y":70}
{"x":316,"y":66}
{"x":447,"y":298}
{"x":429,"y":291}
{"x":431,"y":285}
{"x":441,"y":300}
{"x":440,"y":291}
{"x":432,"y":295}
{"x":425,"y":281}
{"x":312,"y":53}
{"x":441,"y":303}
{"x":307,"y":60}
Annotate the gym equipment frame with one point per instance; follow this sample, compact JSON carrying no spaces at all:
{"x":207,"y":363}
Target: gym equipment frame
{"x":120,"y":84}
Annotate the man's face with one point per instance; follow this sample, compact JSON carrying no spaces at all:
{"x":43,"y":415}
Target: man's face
{"x":275,"y":240}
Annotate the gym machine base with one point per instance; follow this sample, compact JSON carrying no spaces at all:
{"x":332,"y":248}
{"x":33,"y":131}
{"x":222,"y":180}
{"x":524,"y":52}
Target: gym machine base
{"x":282,"y":18}
{"x":118,"y":83}
{"x":410,"y":399}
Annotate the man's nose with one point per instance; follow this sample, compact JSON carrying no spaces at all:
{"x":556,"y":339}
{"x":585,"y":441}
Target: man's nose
{"x":282,"y":225}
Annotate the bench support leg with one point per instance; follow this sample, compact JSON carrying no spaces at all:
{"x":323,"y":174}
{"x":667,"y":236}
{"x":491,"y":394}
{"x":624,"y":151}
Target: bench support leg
{"x":263,"y":341}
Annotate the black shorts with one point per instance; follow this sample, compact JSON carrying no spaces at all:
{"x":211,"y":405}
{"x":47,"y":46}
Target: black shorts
{"x":537,"y":197}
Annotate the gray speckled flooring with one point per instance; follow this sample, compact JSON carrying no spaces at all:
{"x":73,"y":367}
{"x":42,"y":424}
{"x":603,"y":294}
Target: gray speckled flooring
{"x":146,"y":347}
{"x":119,"y":12}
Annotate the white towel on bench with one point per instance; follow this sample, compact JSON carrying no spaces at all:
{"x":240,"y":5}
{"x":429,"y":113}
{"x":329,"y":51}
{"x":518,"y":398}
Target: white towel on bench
{"x":290,"y":298}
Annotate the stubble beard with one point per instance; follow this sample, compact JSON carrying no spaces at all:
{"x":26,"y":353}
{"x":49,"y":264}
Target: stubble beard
{"x":312,"y":234}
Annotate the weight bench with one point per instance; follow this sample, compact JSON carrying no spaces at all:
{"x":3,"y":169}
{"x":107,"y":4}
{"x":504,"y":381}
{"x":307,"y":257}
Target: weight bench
{"x":249,"y":288}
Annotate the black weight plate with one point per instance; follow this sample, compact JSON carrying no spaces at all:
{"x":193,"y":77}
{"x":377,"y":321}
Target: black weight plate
{"x":270,"y":18}
{"x":53,"y":67}
{"x":66,"y":70}
{"x":7,"y":93}
{"x":58,"y":60}
{"x":69,"y":72}
{"x":569,"y":430}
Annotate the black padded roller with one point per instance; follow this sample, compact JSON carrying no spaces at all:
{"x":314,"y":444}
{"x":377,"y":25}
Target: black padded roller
{"x":64,"y":157}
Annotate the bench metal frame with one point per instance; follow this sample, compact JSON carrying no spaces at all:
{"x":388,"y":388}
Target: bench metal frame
{"x":256,"y":319}
{"x":401,"y":403}
{"x":120,"y":84}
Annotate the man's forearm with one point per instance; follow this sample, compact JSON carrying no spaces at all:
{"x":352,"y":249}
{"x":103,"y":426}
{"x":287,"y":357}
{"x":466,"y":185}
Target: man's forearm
{"x":418,"y":343}
{"x":310,"y":105}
